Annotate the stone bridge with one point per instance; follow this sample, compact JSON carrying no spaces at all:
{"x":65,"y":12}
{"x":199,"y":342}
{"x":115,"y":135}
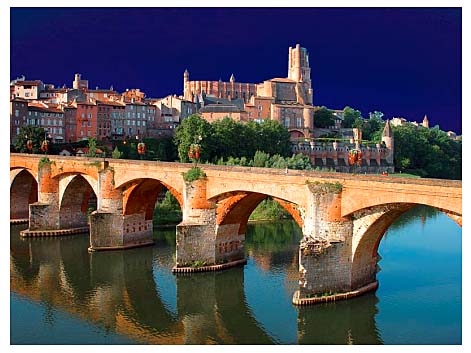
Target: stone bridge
{"x":343,"y":217}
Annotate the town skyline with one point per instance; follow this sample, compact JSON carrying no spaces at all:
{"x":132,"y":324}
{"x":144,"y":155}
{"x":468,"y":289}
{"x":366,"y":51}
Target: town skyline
{"x":432,"y":88}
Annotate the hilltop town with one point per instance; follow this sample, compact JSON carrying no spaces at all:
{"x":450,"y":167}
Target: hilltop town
{"x":71,"y":114}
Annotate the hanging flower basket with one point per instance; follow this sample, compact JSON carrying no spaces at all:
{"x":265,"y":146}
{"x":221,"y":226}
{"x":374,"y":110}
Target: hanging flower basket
{"x":194,"y":151}
{"x":141,"y":148}
{"x":29,"y":145}
{"x":354,"y":157}
{"x":44,"y":146}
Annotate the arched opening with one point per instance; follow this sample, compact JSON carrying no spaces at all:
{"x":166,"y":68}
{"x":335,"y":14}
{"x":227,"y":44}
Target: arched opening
{"x":78,"y":201}
{"x":152,"y":198}
{"x":149,"y":203}
{"x":420,"y":278}
{"x":235,"y":209}
{"x":23,"y":192}
{"x":267,"y":232}
{"x":370,"y":227}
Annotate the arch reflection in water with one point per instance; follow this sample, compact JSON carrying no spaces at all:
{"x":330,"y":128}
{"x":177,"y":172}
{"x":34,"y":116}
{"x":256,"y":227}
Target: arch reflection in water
{"x":134,"y":295}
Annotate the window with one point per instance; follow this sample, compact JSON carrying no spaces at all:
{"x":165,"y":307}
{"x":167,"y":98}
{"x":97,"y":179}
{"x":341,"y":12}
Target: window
{"x":27,"y":94}
{"x":88,"y":133}
{"x":132,"y":107}
{"x":134,"y":122}
{"x":138,"y":115}
{"x":91,"y":95}
{"x":138,"y":123}
{"x":81,"y":132}
{"x":144,"y":123}
{"x":143,"y":115}
{"x":83,"y":115}
{"x":17,"y":113}
{"x":286,"y":122}
{"x":89,"y":115}
{"x":17,"y":130}
{"x":298,"y":123}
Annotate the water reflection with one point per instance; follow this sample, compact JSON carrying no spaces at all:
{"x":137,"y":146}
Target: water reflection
{"x":133,"y":295}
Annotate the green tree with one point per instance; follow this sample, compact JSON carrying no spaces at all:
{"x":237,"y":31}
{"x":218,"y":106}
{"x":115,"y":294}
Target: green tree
{"x":92,"y":148}
{"x":260,"y":159}
{"x":33,"y":133}
{"x":349,"y":116}
{"x":188,"y":132}
{"x":116,"y":153}
{"x":323,"y":117}
{"x":426,"y":152}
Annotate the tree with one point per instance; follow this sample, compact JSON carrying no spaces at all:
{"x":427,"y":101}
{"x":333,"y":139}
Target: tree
{"x":116,"y":153}
{"x":427,"y":152}
{"x":188,"y":132}
{"x":349,"y":116}
{"x":33,"y":133}
{"x":323,"y":117}
{"x":92,"y":147}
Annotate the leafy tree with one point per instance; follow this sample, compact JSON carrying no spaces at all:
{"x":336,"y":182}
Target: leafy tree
{"x":349,"y":116}
{"x":92,"y":148}
{"x":323,"y":117}
{"x":426,"y":152}
{"x":33,"y":133}
{"x":188,"y":132}
{"x":116,"y":153}
{"x":260,"y":159}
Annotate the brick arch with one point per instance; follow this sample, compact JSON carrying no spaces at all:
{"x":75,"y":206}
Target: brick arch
{"x":23,"y":192}
{"x":74,"y":202}
{"x":370,"y":225}
{"x":140,"y":196}
{"x":236,"y":208}
{"x":65,"y":178}
{"x":446,"y":199}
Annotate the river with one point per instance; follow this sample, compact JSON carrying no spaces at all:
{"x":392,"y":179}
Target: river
{"x":61,"y":294}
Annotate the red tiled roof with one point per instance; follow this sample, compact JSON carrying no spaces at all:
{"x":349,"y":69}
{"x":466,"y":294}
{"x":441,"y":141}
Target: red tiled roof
{"x":29,"y":83}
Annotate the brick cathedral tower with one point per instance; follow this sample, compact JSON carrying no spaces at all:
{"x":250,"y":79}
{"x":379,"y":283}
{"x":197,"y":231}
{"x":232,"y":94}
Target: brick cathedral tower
{"x":299,"y":70}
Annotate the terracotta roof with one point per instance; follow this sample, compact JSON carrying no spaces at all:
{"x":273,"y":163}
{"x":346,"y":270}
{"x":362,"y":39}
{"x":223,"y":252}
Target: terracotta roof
{"x":113,"y":103}
{"x":29,"y":83}
{"x":42,"y":108}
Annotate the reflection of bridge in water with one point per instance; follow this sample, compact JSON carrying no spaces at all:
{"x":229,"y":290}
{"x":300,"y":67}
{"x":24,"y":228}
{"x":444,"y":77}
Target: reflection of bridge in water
{"x":118,"y":291}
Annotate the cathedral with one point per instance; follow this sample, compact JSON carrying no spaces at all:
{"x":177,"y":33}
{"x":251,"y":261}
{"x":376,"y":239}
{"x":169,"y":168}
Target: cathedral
{"x":289,"y":100}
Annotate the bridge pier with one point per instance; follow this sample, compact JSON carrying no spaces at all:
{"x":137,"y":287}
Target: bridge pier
{"x":325,"y":250}
{"x":197,"y":234}
{"x":109,"y":228}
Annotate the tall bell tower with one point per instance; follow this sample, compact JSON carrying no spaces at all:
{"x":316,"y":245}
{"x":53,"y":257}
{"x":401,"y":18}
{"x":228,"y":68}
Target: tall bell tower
{"x":299,"y":70}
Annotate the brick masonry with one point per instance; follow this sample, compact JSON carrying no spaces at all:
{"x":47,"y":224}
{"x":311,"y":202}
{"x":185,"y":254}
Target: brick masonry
{"x":341,"y":230}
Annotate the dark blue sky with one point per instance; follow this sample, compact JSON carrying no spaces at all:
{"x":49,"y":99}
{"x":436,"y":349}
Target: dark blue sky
{"x":403,"y":62}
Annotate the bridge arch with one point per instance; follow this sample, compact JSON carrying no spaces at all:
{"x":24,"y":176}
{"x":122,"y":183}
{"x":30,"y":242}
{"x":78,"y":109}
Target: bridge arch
{"x":237,"y":206}
{"x":76,"y":199}
{"x":370,"y":225}
{"x":232,"y":214}
{"x":140,"y":196}
{"x":23,"y":192}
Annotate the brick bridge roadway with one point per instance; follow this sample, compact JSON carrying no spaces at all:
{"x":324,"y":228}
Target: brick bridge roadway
{"x":343,"y":217}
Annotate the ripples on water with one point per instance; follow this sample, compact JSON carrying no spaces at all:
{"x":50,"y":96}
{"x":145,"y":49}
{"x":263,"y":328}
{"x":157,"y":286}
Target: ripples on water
{"x":61,"y":294}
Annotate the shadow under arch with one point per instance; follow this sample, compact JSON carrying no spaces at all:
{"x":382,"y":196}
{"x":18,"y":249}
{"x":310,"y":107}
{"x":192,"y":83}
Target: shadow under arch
{"x":76,"y":200}
{"x":23,"y":192}
{"x":140,"y":196}
{"x":236,"y":207}
{"x":380,"y":218}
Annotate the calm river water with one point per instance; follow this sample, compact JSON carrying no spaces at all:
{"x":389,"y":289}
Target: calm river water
{"x":61,"y":294}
